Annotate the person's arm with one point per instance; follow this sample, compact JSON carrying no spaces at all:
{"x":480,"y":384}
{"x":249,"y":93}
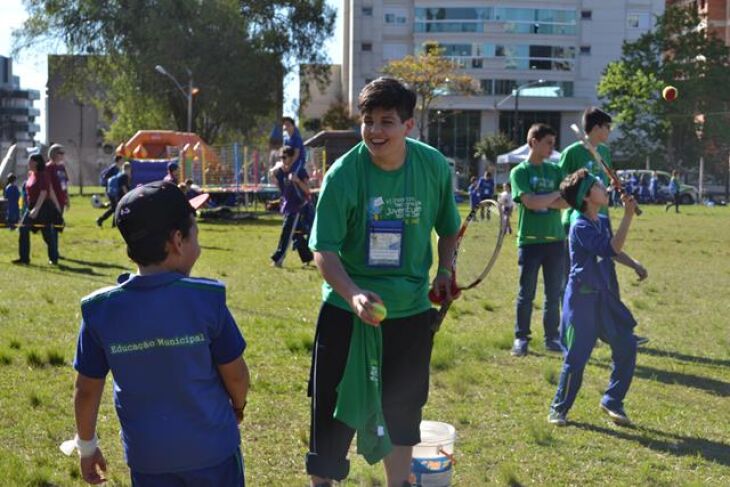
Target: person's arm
{"x":38,"y":203}
{"x":559,"y":204}
{"x":534,"y":201}
{"x":87,"y":398}
{"x":443,"y":279}
{"x":236,"y":379}
{"x":360,"y":300}
{"x":618,"y":240}
{"x":625,"y":259}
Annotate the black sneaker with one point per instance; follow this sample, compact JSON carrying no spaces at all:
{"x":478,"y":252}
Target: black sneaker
{"x":553,"y":345}
{"x":21,"y":262}
{"x":617,"y":415}
{"x":519,"y":348}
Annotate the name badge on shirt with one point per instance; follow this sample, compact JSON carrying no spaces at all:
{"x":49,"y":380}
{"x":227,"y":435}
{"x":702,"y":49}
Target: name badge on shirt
{"x":385,"y":243}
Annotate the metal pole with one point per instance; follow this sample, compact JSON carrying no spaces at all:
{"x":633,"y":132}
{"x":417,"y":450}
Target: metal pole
{"x":517,"y":114}
{"x":190,"y":104}
{"x":81,"y":148}
{"x":702,"y":178}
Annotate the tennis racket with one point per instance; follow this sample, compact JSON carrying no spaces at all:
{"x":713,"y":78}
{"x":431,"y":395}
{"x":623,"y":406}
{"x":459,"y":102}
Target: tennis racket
{"x":583,"y":138}
{"x":477,"y":247}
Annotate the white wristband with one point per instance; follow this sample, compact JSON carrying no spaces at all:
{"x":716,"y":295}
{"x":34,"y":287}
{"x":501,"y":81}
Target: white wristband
{"x":85,"y":448}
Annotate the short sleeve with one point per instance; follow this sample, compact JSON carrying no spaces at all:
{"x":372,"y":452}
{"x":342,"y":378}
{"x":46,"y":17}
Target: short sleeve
{"x":447,"y":217}
{"x":520,"y":180}
{"x":228,"y":344}
{"x":330,"y":221}
{"x":591,"y":239}
{"x":565,"y":162}
{"x":90,"y":358}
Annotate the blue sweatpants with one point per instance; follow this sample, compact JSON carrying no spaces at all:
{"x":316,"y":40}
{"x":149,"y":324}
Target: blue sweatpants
{"x":578,"y":341}
{"x":227,"y":474}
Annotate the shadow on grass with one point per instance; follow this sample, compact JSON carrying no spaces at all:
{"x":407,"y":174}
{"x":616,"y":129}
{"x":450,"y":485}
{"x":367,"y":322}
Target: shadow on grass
{"x":655,"y":352}
{"x":213,"y":247}
{"x":101,"y":265}
{"x":678,"y":445}
{"x":713,"y":386}
{"x":87,"y":271}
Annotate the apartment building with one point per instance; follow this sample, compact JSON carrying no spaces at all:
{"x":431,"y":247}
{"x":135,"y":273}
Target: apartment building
{"x":17,"y":113}
{"x":715,"y":15}
{"x":534,"y":60}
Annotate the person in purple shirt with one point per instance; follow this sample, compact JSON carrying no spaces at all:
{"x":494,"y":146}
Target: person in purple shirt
{"x":295,"y":207}
{"x":174,"y":350}
{"x":293,"y":139}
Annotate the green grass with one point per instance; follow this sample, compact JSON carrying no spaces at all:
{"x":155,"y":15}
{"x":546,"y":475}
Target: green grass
{"x":678,"y":400}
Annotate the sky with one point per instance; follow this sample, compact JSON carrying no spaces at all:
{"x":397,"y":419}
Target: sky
{"x":31,"y":65}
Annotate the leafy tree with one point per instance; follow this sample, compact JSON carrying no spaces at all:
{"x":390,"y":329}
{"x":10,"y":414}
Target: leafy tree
{"x":493,"y":145}
{"x":675,"y":53}
{"x":337,"y":117}
{"x":430,"y":74}
{"x":238,"y":52}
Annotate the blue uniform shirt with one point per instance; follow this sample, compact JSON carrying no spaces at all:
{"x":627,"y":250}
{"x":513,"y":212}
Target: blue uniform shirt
{"x":295,"y":142}
{"x":12,"y":195}
{"x":162,"y":337}
{"x":292,"y":197}
{"x":475,"y":196}
{"x":486,"y":187}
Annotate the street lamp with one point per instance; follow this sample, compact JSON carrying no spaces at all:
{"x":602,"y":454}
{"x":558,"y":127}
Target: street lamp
{"x":516,"y":95}
{"x":187,"y":94}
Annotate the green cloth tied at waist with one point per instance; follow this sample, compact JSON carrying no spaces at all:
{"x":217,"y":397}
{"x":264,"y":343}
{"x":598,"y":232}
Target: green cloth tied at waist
{"x":359,"y":394}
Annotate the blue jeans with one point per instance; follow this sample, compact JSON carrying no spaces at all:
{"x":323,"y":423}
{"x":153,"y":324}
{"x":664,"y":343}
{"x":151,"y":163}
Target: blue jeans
{"x":50,"y":236}
{"x":549,"y":256}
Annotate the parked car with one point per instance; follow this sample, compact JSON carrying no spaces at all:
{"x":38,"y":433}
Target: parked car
{"x":688,"y":194}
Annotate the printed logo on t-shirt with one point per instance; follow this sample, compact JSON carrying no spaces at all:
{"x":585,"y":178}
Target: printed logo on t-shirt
{"x":541,"y":185}
{"x":181,"y":341}
{"x":408,"y":209}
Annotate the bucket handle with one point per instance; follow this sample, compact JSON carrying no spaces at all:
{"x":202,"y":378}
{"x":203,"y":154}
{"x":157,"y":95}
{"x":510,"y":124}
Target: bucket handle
{"x":450,"y":456}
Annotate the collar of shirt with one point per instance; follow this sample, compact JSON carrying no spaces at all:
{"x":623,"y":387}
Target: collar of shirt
{"x":133,"y":281}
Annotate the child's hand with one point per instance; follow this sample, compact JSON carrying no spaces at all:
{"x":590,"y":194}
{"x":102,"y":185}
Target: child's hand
{"x":629,"y":204}
{"x":640,"y":271}
{"x":93,"y":468}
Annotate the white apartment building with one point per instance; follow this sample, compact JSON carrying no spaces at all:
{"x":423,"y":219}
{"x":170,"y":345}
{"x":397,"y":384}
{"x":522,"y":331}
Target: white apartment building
{"x":558,"y":48}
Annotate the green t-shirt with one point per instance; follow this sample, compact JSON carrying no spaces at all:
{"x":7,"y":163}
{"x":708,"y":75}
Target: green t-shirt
{"x":575,"y":157}
{"x":536,"y":226}
{"x":419,"y":193}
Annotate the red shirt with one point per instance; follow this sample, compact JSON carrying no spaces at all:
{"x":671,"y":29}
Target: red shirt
{"x":59,"y":180}
{"x":34,"y":185}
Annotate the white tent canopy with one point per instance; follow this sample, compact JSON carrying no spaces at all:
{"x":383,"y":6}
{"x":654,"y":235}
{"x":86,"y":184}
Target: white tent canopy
{"x":520,"y":154}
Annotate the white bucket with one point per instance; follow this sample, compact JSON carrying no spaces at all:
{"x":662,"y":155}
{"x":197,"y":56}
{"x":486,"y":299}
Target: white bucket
{"x":433,"y":457}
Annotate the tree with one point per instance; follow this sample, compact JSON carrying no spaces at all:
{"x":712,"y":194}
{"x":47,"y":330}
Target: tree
{"x":680,"y":54}
{"x":430,"y":74}
{"x":493,"y":145}
{"x":337,"y":117}
{"x":237,"y":51}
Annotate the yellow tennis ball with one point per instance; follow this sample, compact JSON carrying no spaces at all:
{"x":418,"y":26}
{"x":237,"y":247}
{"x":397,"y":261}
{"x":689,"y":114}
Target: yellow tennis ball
{"x":379,"y":312}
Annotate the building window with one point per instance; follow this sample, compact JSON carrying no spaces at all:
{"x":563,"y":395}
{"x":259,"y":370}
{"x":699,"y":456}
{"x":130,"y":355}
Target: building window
{"x":366,"y":46}
{"x":586,"y":14}
{"x":637,"y":20}
{"x":510,"y":20}
{"x":585,"y":50}
{"x":367,"y":11}
{"x":395,"y":16}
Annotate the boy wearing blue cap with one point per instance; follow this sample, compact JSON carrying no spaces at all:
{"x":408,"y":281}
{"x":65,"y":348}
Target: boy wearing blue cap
{"x":180,"y":381}
{"x":591,"y":306}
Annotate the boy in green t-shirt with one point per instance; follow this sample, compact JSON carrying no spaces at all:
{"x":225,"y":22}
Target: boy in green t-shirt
{"x":540,"y":236}
{"x":371,"y":239}
{"x":597,"y":125}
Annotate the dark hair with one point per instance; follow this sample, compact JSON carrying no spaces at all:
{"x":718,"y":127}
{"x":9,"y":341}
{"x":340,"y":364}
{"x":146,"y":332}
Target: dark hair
{"x":569,"y":188}
{"x":287,"y":150}
{"x":40,"y":162}
{"x":118,"y":158}
{"x":11,"y":178}
{"x":151,"y":249}
{"x":539,"y":131}
{"x":594,"y":117}
{"x":387,"y":93}
{"x":189,"y":182}
{"x":288,"y":119}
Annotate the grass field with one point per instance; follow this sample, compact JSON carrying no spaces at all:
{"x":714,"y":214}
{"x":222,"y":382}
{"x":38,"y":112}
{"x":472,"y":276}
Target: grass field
{"x":680,"y":398}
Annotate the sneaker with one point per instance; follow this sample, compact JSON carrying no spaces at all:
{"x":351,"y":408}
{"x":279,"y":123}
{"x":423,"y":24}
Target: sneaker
{"x":21,"y":262}
{"x":641,"y":340}
{"x":553,"y":345}
{"x":617,"y":415}
{"x":276,"y":263}
{"x":519,"y":348}
{"x":557,"y":418}
{"x":52,"y":262}
{"x":99,"y":222}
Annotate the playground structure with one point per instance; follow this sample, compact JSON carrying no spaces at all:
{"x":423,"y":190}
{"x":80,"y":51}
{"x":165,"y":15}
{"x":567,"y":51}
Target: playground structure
{"x":232,"y":173}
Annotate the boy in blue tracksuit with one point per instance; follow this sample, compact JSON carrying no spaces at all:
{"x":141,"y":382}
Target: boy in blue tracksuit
{"x":591,"y":306}
{"x":180,"y":381}
{"x":12,"y":195}
{"x":474,"y":194}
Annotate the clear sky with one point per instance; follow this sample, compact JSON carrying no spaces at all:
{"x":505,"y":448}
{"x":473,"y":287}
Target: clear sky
{"x":31,"y":66}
